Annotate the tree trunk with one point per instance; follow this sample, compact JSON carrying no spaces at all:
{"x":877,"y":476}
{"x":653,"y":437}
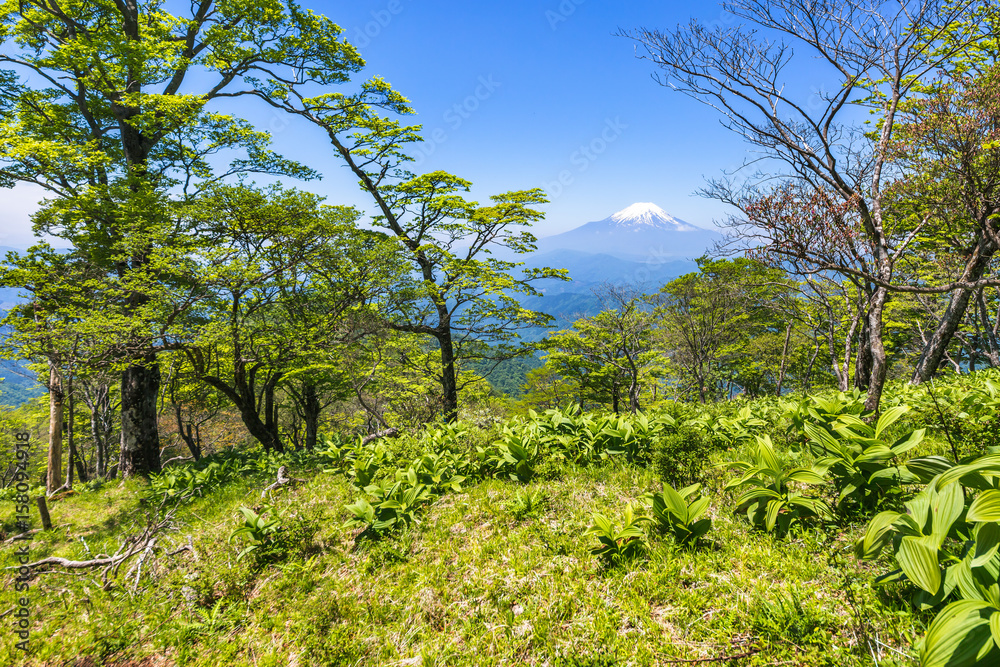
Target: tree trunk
{"x":140,"y":438}
{"x":449,"y":379}
{"x":876,"y":350}
{"x":784,"y":358}
{"x":992,"y":350}
{"x":271,"y":413}
{"x":184,"y":430}
{"x":53,"y":478}
{"x":260,"y":430}
{"x":99,"y":404}
{"x":937,"y":344}
{"x":863,"y":362}
{"x":244,"y":397}
{"x":633,"y":395}
{"x":310,"y":414}
{"x":75,"y":460}
{"x":807,"y":380}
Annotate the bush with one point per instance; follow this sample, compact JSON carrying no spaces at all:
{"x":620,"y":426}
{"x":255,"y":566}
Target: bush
{"x":679,"y":457}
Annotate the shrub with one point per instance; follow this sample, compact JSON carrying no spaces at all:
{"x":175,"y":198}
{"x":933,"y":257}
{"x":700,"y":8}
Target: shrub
{"x":679,"y":457}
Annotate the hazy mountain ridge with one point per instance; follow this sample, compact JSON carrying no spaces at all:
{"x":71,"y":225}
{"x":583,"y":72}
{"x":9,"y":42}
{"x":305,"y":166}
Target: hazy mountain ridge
{"x":642,"y":232}
{"x":641,"y":245}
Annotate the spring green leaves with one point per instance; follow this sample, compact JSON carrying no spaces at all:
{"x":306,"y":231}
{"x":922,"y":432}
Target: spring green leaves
{"x":618,"y":544}
{"x":678,"y":513}
{"x":256,"y":528}
{"x":770,"y":496}
{"x":949,"y":549}
{"x":673,"y":513}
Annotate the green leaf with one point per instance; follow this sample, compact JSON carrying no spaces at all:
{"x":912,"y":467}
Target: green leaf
{"x":929,"y":467}
{"x":957,"y":635}
{"x":889,"y":417}
{"x":987,"y":543}
{"x":909,"y":441}
{"x":945,"y":506}
{"x":755,"y":495}
{"x":876,"y":535}
{"x":674,"y":502}
{"x":765,"y":451}
{"x":822,"y":437}
{"x":995,"y":627}
{"x":773,"y":508}
{"x":697,"y":508}
{"x":918,"y":558}
{"x":805,"y":476}
{"x":986,"y":507}
{"x":984,"y":464}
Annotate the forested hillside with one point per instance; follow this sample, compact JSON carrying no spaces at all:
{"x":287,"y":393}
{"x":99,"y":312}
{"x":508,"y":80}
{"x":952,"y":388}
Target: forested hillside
{"x":274,"y":427}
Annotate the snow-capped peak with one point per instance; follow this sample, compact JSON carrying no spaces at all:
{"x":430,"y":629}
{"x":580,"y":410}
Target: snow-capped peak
{"x":647,"y":213}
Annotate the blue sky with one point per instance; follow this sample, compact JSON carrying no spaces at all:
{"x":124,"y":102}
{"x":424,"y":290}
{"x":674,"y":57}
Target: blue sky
{"x":516,"y":95}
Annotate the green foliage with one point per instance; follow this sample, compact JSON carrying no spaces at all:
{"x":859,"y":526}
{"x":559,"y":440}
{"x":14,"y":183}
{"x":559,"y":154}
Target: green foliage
{"x":948,"y":549}
{"x":618,"y":545}
{"x":187,"y":481}
{"x":608,"y":357}
{"x":528,"y":503}
{"x":257,"y":529}
{"x":514,"y":456}
{"x":821,"y":411}
{"x":679,"y":457}
{"x":770,"y":499}
{"x":731,"y":430}
{"x":673,"y":513}
{"x":864,"y":467}
{"x":724,"y":326}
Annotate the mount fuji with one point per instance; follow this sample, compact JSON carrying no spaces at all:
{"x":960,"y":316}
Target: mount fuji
{"x":641,"y":245}
{"x":640,"y":232}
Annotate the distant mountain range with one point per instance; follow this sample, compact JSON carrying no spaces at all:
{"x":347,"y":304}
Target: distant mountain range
{"x":17,"y":384}
{"x":642,"y":232}
{"x":641,"y":245}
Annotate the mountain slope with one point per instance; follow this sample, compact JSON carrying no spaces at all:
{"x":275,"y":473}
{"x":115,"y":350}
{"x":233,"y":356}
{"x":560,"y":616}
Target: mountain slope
{"x":641,"y":232}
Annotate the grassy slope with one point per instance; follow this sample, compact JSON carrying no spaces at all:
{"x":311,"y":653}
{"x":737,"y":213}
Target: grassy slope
{"x":474,"y":584}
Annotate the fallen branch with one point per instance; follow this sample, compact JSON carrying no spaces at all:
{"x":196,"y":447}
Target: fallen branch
{"x":283,"y":480}
{"x":185,"y":547}
{"x":176,"y":458}
{"x":384,"y":433}
{"x":142,"y":543}
{"x":28,"y":533}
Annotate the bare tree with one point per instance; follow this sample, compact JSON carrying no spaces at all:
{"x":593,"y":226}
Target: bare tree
{"x":819,"y":193}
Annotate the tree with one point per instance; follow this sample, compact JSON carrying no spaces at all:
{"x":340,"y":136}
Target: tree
{"x":610,"y":355}
{"x":721,"y":327}
{"x":47,"y":329}
{"x":107,"y":108}
{"x":458,"y":294}
{"x":280,"y":274}
{"x":949,"y":143}
{"x":821,"y":193}
{"x":544,"y":388}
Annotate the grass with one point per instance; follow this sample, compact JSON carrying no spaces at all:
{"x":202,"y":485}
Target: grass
{"x":482,"y":580}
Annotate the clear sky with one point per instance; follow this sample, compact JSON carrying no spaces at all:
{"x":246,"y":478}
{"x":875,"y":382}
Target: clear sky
{"x":518,"y":94}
